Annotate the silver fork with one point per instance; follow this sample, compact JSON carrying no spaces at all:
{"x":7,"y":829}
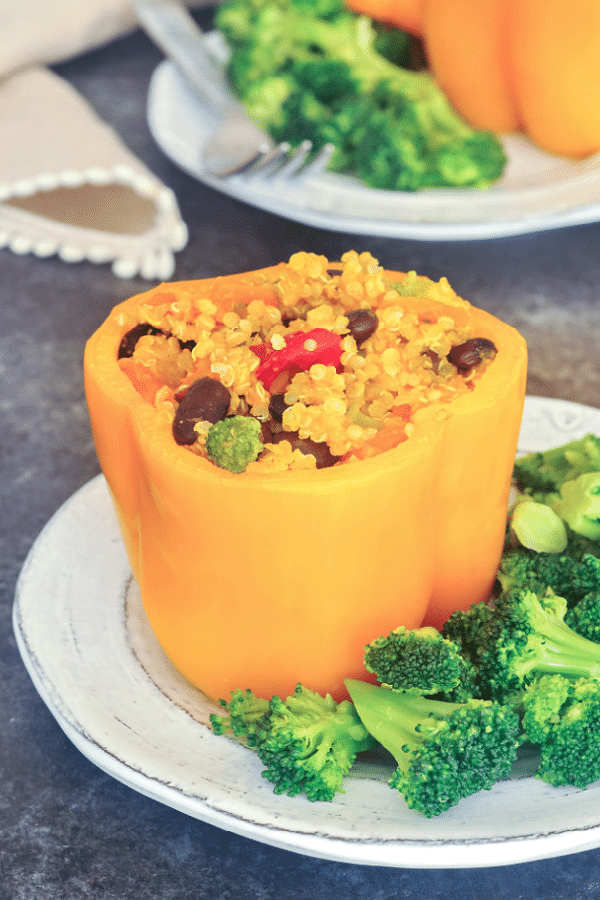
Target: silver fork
{"x":238,"y":145}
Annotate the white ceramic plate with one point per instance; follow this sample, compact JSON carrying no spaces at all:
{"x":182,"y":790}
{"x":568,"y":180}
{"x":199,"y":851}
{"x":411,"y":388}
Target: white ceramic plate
{"x":87,"y":645}
{"x":537,"y":191}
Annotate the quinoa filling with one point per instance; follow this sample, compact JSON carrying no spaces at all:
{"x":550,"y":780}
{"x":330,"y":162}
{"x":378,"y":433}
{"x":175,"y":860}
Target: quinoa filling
{"x":326,"y":366}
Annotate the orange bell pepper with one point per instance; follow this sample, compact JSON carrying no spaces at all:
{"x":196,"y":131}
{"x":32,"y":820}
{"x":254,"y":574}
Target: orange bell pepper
{"x":529,"y":64}
{"x":512,"y":65}
{"x":553,"y":54}
{"x":404,"y":14}
{"x":468,"y":59}
{"x":263,"y":580}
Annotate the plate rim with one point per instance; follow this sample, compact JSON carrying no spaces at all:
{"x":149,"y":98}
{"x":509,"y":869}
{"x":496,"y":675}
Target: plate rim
{"x":264,"y":194}
{"x":406,"y":853}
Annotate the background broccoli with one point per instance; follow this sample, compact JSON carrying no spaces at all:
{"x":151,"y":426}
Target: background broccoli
{"x":307,"y":742}
{"x":234,"y":442}
{"x":316,"y":71}
{"x":444,"y":751}
{"x":562,"y":717}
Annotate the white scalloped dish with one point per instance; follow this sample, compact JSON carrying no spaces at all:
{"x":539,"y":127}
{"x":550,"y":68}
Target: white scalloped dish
{"x":537,"y":191}
{"x":89,"y":650}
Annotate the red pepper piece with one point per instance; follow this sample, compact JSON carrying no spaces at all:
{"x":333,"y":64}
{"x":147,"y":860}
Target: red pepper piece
{"x":303,"y":349}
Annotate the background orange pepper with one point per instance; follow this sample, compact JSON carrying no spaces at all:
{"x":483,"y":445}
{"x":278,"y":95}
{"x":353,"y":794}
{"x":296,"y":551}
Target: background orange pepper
{"x":264,"y":580}
{"x":468,"y":57}
{"x":509,"y":65}
{"x":554,"y":72}
{"x":404,"y":14}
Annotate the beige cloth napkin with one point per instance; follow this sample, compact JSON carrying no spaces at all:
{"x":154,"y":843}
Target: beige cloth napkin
{"x":68,"y":184}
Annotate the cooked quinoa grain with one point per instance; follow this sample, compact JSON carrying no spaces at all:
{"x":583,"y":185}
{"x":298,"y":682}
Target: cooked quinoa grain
{"x":332,"y":359}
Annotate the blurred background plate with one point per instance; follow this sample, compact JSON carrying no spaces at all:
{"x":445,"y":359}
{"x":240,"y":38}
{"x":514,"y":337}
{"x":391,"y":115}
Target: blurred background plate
{"x":537,"y":191}
{"x":87,"y":645}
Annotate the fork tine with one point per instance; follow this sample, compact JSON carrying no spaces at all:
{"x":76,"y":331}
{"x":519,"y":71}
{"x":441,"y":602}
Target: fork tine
{"x":295,"y":160}
{"x":282,"y":162}
{"x":266,"y":162}
{"x":319,"y":161}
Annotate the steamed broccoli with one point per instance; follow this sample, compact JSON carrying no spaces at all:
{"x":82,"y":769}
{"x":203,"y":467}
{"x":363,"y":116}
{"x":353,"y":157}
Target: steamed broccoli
{"x":312,"y":70}
{"x":584,"y":617}
{"x":307,"y":743}
{"x":418,"y":661}
{"x":562,"y":716}
{"x":567,"y":479}
{"x":234,"y":442}
{"x":247,"y":716}
{"x":444,"y":751}
{"x":543,"y":473}
{"x":520,"y":637}
{"x":568,"y":576}
{"x":574,"y":577}
{"x":579,"y":505}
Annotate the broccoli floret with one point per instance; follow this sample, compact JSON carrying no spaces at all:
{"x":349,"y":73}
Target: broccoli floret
{"x":247,"y":717}
{"x":307,"y":742}
{"x":562,"y":716}
{"x":444,"y":751}
{"x":584,"y":617}
{"x":568,"y":576}
{"x":469,"y":630}
{"x":234,"y":442}
{"x":521,"y":637}
{"x":579,"y":505}
{"x":567,"y":479}
{"x":543,"y":473}
{"x":418,"y":661}
{"x":325,"y":80}
{"x":578,"y":545}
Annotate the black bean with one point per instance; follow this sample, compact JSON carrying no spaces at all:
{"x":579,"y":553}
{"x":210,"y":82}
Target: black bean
{"x":320,"y":450}
{"x":362,"y":324}
{"x":433,"y":357}
{"x":266,"y":433}
{"x":130,"y":339}
{"x":471,"y":353}
{"x":207,"y":400}
{"x":277,"y":407}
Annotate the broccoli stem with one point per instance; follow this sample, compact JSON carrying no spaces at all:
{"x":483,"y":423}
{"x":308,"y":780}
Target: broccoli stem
{"x":304,"y":74}
{"x":557,"y":649}
{"x":435,"y":115}
{"x":398,"y":721}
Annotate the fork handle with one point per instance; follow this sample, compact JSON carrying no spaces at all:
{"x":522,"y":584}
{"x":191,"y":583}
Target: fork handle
{"x":169,"y":24}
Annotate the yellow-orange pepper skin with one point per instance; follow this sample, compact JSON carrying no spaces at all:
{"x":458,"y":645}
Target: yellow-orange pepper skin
{"x":264,"y":580}
{"x":468,"y":57}
{"x":553,"y":53}
{"x":512,"y":65}
{"x":404,"y":14}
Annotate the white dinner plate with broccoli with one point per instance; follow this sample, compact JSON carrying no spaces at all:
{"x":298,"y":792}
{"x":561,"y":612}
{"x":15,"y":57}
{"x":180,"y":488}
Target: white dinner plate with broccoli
{"x":89,"y":650}
{"x":537,"y":191}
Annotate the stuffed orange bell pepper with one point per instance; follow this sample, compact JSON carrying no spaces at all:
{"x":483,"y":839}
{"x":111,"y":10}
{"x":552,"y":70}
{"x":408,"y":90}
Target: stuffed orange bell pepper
{"x":303,"y":458}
